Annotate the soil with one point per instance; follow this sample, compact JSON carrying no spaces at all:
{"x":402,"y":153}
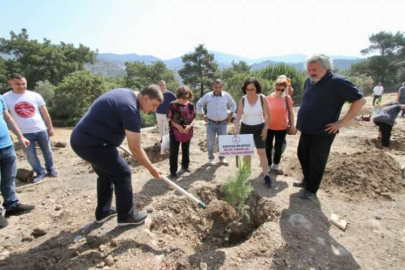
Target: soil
{"x":362,"y":185}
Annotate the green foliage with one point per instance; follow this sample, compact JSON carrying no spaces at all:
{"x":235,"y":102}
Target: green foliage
{"x":199,"y":69}
{"x":3,"y":74}
{"x":74,"y":96}
{"x":363,"y":82}
{"x":238,"y":188}
{"x":297,"y":77}
{"x":43,"y":61}
{"x":140,"y":75}
{"x":388,"y":65}
{"x":241,"y":67}
{"x":47,"y":91}
{"x":148,"y":119}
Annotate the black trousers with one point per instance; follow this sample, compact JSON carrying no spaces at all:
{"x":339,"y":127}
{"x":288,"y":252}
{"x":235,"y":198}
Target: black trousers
{"x":375,"y":98}
{"x":174,"y":154}
{"x":113,"y":173}
{"x":386,"y":133}
{"x":278,"y":145}
{"x":313,"y":153}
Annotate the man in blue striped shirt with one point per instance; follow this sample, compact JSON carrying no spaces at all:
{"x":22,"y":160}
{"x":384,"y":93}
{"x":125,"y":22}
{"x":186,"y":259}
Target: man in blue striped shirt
{"x":220,"y":108}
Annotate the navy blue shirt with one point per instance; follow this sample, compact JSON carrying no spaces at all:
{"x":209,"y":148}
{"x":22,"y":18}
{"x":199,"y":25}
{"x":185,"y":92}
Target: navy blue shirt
{"x":107,"y":119}
{"x":322,"y":102}
{"x":167,"y":98}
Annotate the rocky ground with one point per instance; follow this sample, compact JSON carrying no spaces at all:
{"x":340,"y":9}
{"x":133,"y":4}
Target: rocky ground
{"x":362,"y":185}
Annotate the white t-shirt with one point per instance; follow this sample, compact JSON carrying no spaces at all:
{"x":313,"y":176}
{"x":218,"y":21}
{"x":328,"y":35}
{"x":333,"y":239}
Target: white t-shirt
{"x":253,"y":115}
{"x":378,"y":90}
{"x":24,"y":108}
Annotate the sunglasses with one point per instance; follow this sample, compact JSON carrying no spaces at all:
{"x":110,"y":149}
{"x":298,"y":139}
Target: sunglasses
{"x":280,"y":89}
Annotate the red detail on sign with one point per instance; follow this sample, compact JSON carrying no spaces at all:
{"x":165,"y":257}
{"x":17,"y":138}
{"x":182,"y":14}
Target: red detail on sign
{"x":24,"y":109}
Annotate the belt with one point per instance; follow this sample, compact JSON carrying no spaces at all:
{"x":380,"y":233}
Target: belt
{"x":217,"y":122}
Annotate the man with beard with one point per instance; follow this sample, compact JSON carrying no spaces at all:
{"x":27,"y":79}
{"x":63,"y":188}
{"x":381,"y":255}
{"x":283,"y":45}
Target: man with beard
{"x":325,"y":93}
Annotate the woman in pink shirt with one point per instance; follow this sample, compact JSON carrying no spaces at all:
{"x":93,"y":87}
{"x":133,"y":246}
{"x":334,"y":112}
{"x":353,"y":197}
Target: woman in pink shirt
{"x":278,"y":123}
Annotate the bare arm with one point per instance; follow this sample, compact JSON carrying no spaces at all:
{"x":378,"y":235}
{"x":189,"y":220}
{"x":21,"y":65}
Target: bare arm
{"x":134,"y":143}
{"x":353,"y":111}
{"x":14,"y":128}
{"x":47,"y":119}
{"x":266,"y":109}
{"x":238,"y":117}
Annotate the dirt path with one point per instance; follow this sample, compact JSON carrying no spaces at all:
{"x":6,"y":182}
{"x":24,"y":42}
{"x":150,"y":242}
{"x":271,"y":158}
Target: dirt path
{"x":362,"y":185}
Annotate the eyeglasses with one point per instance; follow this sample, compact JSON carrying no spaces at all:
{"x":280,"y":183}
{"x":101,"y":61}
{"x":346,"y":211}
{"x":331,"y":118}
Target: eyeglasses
{"x":280,"y":89}
{"x":185,"y":98}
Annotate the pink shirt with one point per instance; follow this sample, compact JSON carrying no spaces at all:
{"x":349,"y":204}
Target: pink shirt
{"x":278,"y":112}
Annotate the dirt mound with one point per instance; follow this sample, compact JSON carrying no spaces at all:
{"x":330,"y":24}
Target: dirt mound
{"x":369,"y":173}
{"x":218,"y":225}
{"x":221,"y":211}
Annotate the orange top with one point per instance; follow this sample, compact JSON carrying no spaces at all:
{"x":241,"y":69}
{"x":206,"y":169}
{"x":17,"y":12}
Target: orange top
{"x":278,"y":112}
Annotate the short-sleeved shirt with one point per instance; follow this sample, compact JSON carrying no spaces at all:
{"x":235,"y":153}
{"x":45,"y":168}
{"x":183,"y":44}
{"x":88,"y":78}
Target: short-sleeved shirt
{"x":107,"y":119}
{"x":378,"y":90}
{"x":278,"y":112}
{"x":168,"y":97}
{"x":24,"y":108}
{"x":5,"y":140}
{"x":388,"y":114}
{"x":181,"y":114}
{"x":322,"y":102}
{"x":401,"y":92}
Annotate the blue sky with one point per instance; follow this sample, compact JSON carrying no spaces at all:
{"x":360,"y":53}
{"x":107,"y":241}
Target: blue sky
{"x":167,"y":29}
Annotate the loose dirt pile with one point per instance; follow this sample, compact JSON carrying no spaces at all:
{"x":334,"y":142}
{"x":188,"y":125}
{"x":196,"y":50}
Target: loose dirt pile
{"x":368,"y":173}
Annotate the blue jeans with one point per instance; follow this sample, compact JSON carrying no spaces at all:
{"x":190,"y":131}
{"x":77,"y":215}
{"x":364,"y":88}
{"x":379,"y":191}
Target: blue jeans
{"x":44,"y":143}
{"x":8,"y":166}
{"x":212,"y":130}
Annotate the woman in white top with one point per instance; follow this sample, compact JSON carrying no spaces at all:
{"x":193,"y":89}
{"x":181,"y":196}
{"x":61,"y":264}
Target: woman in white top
{"x":256,"y":117}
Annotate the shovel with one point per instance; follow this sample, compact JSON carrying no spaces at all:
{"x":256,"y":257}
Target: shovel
{"x":180,"y":189}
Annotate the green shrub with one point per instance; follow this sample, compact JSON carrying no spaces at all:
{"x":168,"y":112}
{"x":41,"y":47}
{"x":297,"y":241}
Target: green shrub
{"x":238,"y":188}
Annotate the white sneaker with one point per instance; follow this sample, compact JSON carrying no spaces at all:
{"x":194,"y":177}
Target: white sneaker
{"x":211,"y":162}
{"x":224,"y":162}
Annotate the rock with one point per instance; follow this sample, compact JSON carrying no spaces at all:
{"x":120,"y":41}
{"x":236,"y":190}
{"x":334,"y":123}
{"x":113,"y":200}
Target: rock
{"x":24,"y":175}
{"x":203,"y":266}
{"x":61,"y":144}
{"x":101,"y":248}
{"x":100,"y":265}
{"x":171,"y":188}
{"x":109,"y":260}
{"x":140,"y":205}
{"x":114,"y":243}
{"x":41,"y":229}
{"x":149,"y":210}
{"x":19,"y":190}
{"x":88,"y":201}
{"x":58,"y":207}
{"x":28,"y":238}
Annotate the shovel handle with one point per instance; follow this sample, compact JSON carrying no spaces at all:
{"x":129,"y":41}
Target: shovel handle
{"x":177,"y":187}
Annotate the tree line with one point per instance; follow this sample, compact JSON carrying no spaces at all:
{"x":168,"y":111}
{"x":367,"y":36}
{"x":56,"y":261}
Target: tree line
{"x":58,"y":73}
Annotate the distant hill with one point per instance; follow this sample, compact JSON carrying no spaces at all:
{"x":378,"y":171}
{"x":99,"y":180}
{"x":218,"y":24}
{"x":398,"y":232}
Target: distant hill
{"x":340,"y":64}
{"x":110,"y":64}
{"x":107,"y":68}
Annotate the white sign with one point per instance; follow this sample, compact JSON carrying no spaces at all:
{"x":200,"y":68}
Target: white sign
{"x":239,"y":145}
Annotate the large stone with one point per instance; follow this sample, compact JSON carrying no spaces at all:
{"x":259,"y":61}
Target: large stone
{"x":24,"y":175}
{"x":41,"y":229}
{"x":109,"y":260}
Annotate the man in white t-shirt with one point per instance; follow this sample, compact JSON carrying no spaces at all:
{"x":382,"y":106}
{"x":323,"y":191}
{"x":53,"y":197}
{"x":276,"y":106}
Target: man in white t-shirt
{"x":378,"y":91}
{"x":31,"y":115}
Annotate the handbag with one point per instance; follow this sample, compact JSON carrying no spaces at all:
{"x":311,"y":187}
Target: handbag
{"x":289,"y":132}
{"x":183,"y":137}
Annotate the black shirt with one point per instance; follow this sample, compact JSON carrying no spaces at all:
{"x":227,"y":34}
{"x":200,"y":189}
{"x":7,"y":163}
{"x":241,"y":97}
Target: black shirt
{"x":322,"y":102}
{"x":107,"y":119}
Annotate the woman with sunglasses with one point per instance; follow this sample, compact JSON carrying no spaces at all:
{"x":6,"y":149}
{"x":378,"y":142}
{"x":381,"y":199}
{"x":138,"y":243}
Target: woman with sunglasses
{"x":256,"y":116}
{"x":278,"y":123}
{"x":181,"y":116}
